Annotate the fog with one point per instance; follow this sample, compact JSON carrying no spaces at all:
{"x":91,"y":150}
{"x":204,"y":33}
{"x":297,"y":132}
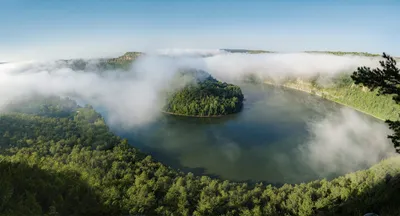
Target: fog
{"x":129,"y":98}
{"x":339,"y":143}
{"x":188,"y":52}
{"x":345,"y":141}
{"x":277,"y":66}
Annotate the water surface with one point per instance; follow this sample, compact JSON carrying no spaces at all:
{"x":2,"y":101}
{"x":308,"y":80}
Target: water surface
{"x":260,"y":144}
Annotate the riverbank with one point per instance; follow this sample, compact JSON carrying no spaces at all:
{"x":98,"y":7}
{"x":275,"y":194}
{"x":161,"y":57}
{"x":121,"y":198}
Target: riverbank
{"x":362,"y":100}
{"x":194,"y":116}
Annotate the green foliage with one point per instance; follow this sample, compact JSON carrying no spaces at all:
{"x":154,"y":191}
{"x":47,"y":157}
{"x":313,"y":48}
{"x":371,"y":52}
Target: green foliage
{"x":52,"y":166}
{"x":344,"y":91}
{"x":31,"y":189}
{"x":386,"y":80}
{"x":50,"y":106}
{"x":342,"y":80}
{"x":363,"y":99}
{"x":206,"y":97}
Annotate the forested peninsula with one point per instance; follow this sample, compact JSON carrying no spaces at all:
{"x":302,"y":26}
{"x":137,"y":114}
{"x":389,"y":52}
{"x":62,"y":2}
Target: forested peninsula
{"x":204,"y":96}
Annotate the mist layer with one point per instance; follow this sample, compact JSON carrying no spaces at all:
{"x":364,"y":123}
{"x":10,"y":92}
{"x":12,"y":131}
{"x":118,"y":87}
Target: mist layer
{"x":134,"y":97}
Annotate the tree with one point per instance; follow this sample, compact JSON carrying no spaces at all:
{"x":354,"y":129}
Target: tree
{"x":387,"y":81}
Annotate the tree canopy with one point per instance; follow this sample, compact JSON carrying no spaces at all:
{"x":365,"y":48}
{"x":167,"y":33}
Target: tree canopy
{"x":206,"y":96}
{"x":387,"y":81}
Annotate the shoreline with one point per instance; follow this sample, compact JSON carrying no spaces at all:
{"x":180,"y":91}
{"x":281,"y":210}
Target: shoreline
{"x":310,"y":91}
{"x":194,"y":116}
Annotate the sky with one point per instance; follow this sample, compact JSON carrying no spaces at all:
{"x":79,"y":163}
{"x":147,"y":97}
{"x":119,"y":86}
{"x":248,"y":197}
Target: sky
{"x":33,"y":29}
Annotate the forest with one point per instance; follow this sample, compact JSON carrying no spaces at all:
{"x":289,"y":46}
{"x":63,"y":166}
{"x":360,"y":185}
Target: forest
{"x":55,"y":162}
{"x":205,"y":96}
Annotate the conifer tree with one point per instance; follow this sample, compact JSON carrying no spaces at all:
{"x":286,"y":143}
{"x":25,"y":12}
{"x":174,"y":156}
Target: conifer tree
{"x":386,"y":80}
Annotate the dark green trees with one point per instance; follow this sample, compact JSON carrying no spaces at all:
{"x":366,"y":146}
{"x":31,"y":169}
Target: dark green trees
{"x":205,"y":97}
{"x":34,"y":190}
{"x":73,"y":165}
{"x":52,"y":106}
{"x":387,"y":81}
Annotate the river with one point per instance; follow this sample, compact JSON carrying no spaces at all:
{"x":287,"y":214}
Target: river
{"x":261,"y":143}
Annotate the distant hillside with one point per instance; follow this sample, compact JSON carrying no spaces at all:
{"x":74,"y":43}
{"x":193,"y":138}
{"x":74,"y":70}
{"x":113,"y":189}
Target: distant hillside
{"x":128,"y":56}
{"x":344,"y":53}
{"x":125,"y":60}
{"x":321,"y":52}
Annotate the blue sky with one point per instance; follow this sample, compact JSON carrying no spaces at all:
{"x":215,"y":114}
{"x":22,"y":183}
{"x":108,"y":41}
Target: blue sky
{"x":33,"y":28}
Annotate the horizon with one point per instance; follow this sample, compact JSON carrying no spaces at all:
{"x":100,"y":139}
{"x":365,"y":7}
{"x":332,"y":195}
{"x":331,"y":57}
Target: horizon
{"x":99,"y":29}
{"x":182,"y":53}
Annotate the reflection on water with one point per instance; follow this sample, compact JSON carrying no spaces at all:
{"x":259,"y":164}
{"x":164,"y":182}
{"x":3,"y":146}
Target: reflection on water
{"x":260,"y":143}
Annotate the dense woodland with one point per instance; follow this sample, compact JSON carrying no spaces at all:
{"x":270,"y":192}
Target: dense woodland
{"x":57,"y":164}
{"x":205,"y":96}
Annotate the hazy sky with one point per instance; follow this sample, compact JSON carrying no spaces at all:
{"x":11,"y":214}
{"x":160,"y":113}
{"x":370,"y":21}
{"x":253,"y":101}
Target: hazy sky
{"x":44,"y":28}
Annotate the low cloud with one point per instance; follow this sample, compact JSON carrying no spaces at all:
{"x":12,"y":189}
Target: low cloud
{"x":346,"y":141}
{"x":341,"y":142}
{"x":277,"y":66}
{"x":130,"y":98}
{"x":189,"y":52}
